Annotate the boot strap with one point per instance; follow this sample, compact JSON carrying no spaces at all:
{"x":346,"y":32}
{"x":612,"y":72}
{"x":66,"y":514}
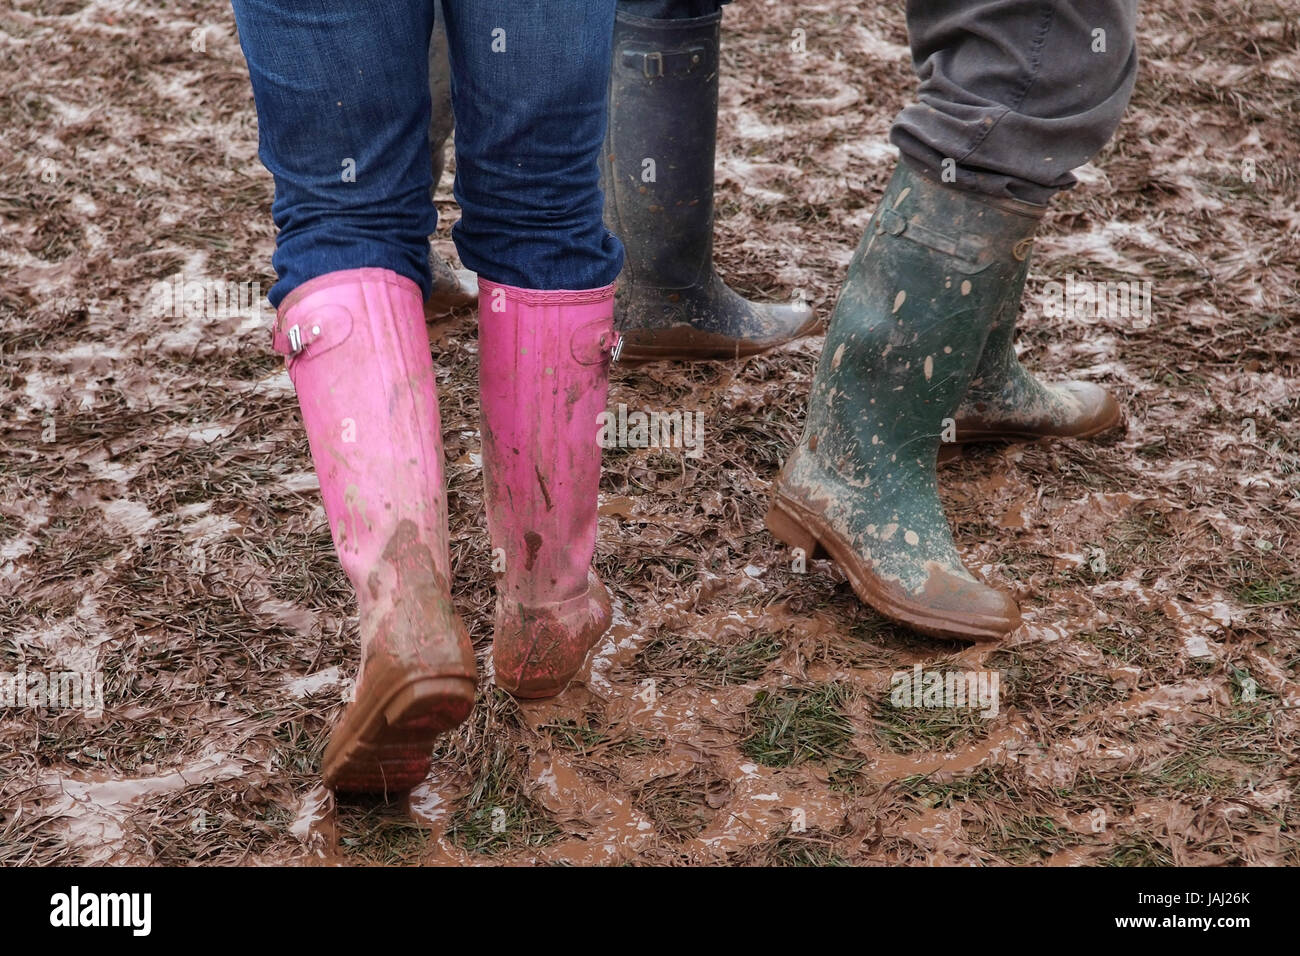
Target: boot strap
{"x":655,"y":63}
{"x":968,"y":250}
{"x":595,"y":342}
{"x":312,"y":333}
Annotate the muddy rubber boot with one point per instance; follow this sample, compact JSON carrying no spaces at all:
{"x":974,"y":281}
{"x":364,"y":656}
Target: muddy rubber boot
{"x":903,"y":344}
{"x":452,"y":288}
{"x":543,"y":380}
{"x":657,"y":174}
{"x":358,"y":354}
{"x":1005,"y":402}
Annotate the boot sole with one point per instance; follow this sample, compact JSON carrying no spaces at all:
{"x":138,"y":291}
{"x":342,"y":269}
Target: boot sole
{"x":386,"y":739}
{"x":683,"y":343}
{"x":951,"y":451}
{"x":798,"y":527}
{"x":986,"y":435}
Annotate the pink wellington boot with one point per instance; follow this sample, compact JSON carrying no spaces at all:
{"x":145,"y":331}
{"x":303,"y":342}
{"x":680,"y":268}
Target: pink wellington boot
{"x":544,"y":376}
{"x":358,"y":354}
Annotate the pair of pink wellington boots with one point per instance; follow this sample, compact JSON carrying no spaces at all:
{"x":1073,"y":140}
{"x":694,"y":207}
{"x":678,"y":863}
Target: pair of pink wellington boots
{"x":358,"y":353}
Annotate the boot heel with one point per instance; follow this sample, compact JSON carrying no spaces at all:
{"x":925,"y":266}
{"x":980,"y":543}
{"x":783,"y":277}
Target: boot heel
{"x":431,"y":701}
{"x":786,"y":528}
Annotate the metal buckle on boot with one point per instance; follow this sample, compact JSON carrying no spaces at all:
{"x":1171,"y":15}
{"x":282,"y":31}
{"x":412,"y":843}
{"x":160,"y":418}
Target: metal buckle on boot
{"x":655,"y":64}
{"x":595,"y":344}
{"x":323,"y":328}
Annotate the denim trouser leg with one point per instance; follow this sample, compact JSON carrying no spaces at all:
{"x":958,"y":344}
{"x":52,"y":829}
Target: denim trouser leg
{"x":1016,"y":92}
{"x":342,"y":92}
{"x":529,"y":82}
{"x":343,"y":113}
{"x":440,"y":71}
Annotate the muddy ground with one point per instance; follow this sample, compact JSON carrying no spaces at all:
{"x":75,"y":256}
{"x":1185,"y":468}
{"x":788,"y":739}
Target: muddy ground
{"x":159,"y":519}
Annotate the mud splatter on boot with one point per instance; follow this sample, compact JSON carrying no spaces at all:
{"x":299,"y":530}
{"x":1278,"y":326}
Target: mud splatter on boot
{"x":358,"y":354}
{"x":452,"y":288}
{"x":1006,"y":402}
{"x":544,"y":376}
{"x":904,"y":343}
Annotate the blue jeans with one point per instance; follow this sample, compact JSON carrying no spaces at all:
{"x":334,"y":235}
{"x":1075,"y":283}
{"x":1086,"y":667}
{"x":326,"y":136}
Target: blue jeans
{"x":342,"y":93}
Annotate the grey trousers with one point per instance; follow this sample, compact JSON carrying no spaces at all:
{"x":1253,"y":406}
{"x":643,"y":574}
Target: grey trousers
{"x":1016,"y":93}
{"x":1013,"y":94}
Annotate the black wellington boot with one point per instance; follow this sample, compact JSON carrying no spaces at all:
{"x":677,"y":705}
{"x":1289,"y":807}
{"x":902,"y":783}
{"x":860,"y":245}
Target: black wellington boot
{"x":657,"y":174}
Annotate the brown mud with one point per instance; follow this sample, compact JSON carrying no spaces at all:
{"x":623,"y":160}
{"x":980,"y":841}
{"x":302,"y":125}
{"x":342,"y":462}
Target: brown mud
{"x":160,"y":522}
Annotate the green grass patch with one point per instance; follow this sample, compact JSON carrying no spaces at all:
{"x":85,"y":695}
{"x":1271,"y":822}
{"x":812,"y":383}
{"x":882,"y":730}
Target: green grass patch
{"x":706,"y":661}
{"x":1269,"y":593}
{"x":497,"y":817}
{"x":906,"y":730}
{"x":792,"y":725}
{"x":1139,"y":850}
{"x":812,"y":848}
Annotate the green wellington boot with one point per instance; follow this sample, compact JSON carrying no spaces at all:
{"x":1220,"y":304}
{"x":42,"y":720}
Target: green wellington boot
{"x":1005,"y":402}
{"x":904,"y":343}
{"x":657,"y":173}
